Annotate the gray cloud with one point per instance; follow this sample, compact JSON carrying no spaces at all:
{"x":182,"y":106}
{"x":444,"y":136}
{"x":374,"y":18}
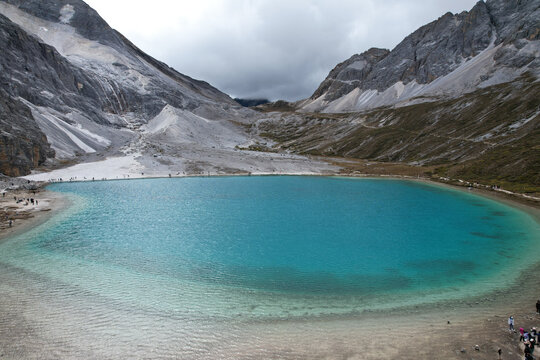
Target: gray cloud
{"x":276,"y":49}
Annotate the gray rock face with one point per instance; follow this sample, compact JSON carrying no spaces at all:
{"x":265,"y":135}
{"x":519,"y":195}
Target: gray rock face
{"x":29,"y":67}
{"x":87,"y":22}
{"x":350,"y":74}
{"x":23,"y":145}
{"x":515,"y":19}
{"x":78,"y":14}
{"x":61,"y":59}
{"x":91,"y":26}
{"x":440,"y":47}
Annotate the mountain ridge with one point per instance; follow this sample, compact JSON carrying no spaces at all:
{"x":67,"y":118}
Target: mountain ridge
{"x":457,"y":98}
{"x":470,"y":108}
{"x":89,"y":90}
{"x":509,"y":28}
{"x":97,"y":102}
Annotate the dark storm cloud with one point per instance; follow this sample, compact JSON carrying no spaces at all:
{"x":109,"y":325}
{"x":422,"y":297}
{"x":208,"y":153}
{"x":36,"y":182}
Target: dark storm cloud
{"x":267,"y":48}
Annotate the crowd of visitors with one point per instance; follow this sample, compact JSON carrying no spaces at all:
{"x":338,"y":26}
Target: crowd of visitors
{"x":529,"y":338}
{"x":7,"y":215}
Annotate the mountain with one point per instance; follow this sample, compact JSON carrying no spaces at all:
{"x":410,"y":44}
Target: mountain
{"x":493,"y":43}
{"x":251,"y":102}
{"x":73,"y":89}
{"x":458,"y":98}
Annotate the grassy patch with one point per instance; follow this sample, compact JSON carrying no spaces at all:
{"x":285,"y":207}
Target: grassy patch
{"x":490,"y":136}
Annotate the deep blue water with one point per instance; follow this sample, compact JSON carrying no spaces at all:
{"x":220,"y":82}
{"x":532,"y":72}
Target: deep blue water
{"x":297,"y":238}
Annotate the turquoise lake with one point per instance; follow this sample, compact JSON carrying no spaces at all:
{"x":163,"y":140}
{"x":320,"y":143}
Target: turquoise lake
{"x":273,"y":247}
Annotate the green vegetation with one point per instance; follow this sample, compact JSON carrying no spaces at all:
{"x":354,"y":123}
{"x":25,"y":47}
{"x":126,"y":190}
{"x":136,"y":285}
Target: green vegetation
{"x":491,"y":136}
{"x":280,"y":105}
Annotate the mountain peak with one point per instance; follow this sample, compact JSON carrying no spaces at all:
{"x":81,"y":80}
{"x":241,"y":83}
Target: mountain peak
{"x":82,"y":87}
{"x":457,"y":44}
{"x":349,"y":74}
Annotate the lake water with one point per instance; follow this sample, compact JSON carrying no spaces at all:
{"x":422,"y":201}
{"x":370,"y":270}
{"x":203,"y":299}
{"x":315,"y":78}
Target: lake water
{"x":200,"y":251}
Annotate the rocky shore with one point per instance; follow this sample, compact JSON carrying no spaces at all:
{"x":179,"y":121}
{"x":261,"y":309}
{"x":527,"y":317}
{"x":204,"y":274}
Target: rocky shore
{"x":24,"y":204}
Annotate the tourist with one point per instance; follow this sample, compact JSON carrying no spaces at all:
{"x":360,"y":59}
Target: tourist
{"x":538,"y":306}
{"x":10,"y":223}
{"x":500,"y":353}
{"x":521,"y":332}
{"x":511,"y":324}
{"x":527,"y":350}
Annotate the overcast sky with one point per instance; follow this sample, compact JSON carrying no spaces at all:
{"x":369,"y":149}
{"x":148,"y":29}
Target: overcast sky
{"x":276,"y":49}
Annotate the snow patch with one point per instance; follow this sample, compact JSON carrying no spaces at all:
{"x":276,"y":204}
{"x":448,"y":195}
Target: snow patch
{"x":66,"y":13}
{"x":47,"y":94}
{"x":63,"y":126}
{"x":522,"y":122}
{"x":399,"y":87}
{"x":73,"y":133}
{"x":484,"y":137}
{"x":99,"y":139}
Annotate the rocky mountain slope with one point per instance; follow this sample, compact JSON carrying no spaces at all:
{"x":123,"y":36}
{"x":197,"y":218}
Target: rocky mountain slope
{"x":460,"y":97}
{"x":495,"y":42}
{"x":74,"y":90}
{"x":23,"y":145}
{"x":490,"y":136}
{"x":80,"y":84}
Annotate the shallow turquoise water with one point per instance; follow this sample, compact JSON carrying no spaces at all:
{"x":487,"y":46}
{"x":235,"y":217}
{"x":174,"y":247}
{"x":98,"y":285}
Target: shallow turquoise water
{"x":275,"y":247}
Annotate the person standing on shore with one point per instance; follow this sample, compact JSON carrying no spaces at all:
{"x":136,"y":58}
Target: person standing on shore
{"x":511,"y":324}
{"x":538,"y":306}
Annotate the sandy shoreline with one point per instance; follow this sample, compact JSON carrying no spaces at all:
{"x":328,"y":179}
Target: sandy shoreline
{"x":418,"y":333}
{"x":25,"y":215}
